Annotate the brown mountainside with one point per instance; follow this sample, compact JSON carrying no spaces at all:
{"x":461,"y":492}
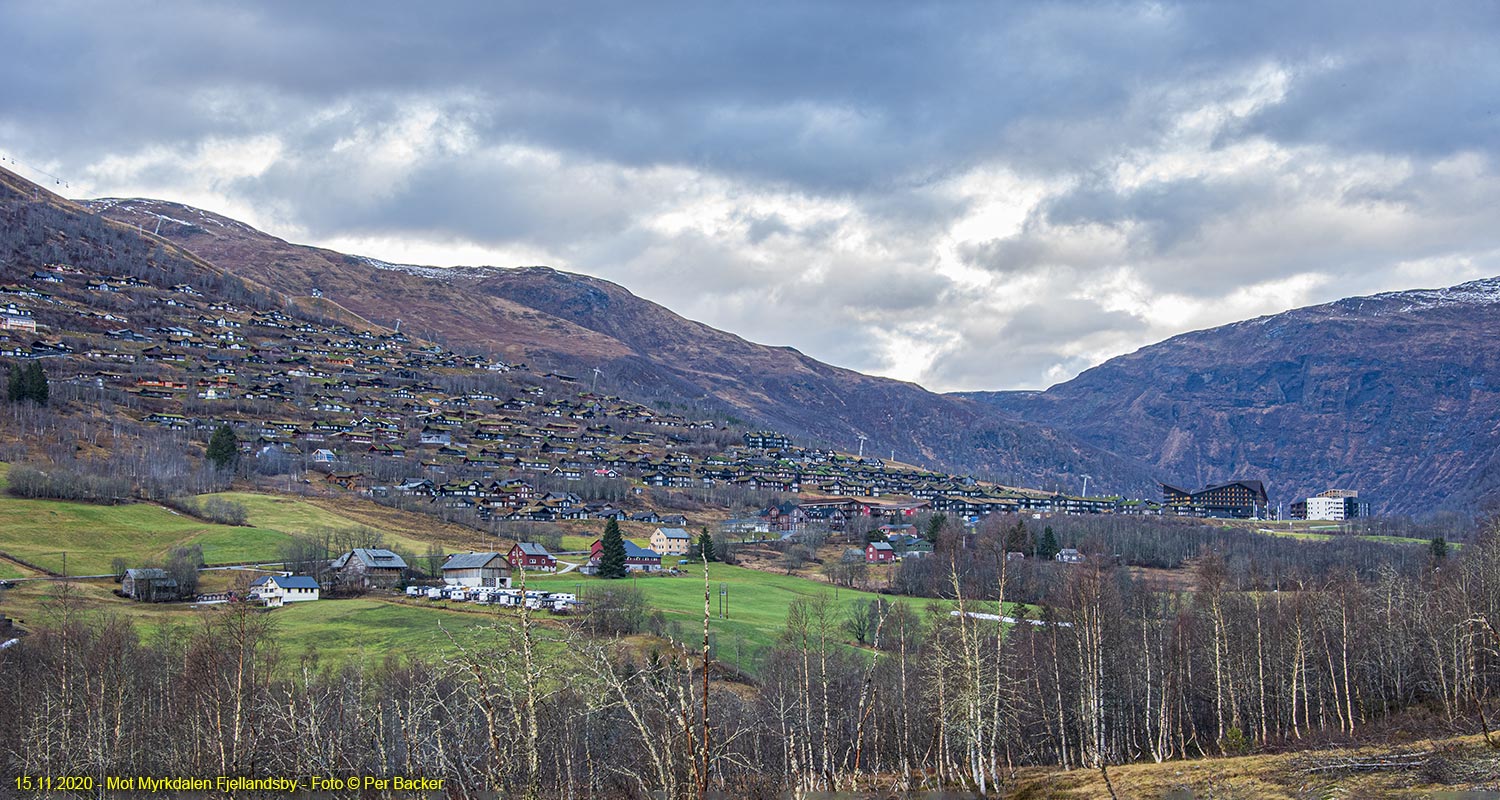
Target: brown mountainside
{"x":575,"y":323}
{"x":1396,"y":395}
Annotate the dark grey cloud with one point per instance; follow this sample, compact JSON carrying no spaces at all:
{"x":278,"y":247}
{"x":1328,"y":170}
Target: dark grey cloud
{"x":822,"y":94}
{"x":1153,"y":164}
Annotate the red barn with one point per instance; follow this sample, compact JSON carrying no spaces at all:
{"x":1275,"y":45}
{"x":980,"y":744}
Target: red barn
{"x":530,"y":556}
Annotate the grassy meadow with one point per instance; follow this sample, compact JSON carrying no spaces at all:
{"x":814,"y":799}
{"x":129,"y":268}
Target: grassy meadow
{"x":757,"y":603}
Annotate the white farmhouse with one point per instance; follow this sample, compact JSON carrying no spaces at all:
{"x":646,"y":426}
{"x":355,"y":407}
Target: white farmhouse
{"x":278,"y":590}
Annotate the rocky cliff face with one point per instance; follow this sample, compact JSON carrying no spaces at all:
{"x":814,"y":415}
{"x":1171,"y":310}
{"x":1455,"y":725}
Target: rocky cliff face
{"x":1396,"y":395}
{"x":575,"y":323}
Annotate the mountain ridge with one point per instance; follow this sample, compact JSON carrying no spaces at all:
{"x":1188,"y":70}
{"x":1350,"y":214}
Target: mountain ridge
{"x":576,"y":323}
{"x":1394,"y":393}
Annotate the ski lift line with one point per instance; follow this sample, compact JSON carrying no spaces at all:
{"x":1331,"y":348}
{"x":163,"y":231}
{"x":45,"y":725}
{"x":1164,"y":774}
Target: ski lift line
{"x":55,"y":180}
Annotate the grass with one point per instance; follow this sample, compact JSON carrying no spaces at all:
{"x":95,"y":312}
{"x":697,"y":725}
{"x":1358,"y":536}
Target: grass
{"x":758,"y":602}
{"x":289,"y":516}
{"x":40,"y":531}
{"x":364,"y":630}
{"x":1310,"y":534}
{"x":575,"y":542}
{"x":367,"y":630}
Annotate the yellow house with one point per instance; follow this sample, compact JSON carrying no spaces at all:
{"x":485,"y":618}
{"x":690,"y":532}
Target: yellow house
{"x":671,"y":541}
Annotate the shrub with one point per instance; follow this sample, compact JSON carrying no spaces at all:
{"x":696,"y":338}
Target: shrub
{"x":64,"y":484}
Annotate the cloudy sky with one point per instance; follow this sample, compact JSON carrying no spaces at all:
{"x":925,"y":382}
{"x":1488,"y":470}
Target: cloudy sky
{"x":985,"y":196}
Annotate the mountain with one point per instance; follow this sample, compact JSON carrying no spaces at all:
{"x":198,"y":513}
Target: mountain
{"x":1396,"y":395}
{"x":575,"y":323}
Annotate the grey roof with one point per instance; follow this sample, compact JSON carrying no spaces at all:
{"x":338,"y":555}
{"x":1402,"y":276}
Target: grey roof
{"x":533,"y":549}
{"x":674,"y":533}
{"x":146,"y":574}
{"x":633,"y":550}
{"x":881,"y":546}
{"x":371,"y":557}
{"x":469,"y":560}
{"x":295,"y":582}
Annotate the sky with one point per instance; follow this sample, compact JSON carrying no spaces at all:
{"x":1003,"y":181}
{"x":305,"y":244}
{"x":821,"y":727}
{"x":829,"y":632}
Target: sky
{"x":969,"y":196}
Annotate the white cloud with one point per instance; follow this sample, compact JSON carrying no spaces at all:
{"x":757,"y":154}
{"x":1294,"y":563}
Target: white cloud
{"x":1000,"y":202}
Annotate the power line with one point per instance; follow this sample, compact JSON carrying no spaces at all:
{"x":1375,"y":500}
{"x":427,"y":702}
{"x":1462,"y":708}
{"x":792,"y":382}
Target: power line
{"x":55,"y":180}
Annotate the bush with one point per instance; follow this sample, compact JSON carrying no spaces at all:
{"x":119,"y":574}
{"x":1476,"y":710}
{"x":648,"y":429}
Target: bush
{"x":212,"y":509}
{"x":63,"y":484}
{"x":225,"y":512}
{"x":614,"y":609}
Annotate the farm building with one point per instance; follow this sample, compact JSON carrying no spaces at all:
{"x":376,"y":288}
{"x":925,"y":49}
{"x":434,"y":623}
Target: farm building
{"x":149,"y":585}
{"x":531,"y":556}
{"x":369,"y":567}
{"x":477,"y":569}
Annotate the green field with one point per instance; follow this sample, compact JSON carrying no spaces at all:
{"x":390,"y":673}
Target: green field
{"x":289,"y":515}
{"x":363,"y":630}
{"x":1304,"y":532}
{"x":367,"y":630}
{"x":40,"y":531}
{"x":757,"y":603}
{"x":579,"y":542}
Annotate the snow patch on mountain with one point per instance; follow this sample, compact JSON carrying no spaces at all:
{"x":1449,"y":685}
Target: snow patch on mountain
{"x":157,"y":208}
{"x":446,"y":273}
{"x":1485,"y":291}
{"x":435,"y":273}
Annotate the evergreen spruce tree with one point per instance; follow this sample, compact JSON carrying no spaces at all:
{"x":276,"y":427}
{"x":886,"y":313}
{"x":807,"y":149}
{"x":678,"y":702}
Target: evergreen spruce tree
{"x":935,"y":527}
{"x":1017,"y":538}
{"x":223,"y":448}
{"x":706,"y":545}
{"x":15,"y":390}
{"x":35,"y":382}
{"x":1439,"y":548}
{"x":612,"y":557}
{"x":1047,"y":548}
